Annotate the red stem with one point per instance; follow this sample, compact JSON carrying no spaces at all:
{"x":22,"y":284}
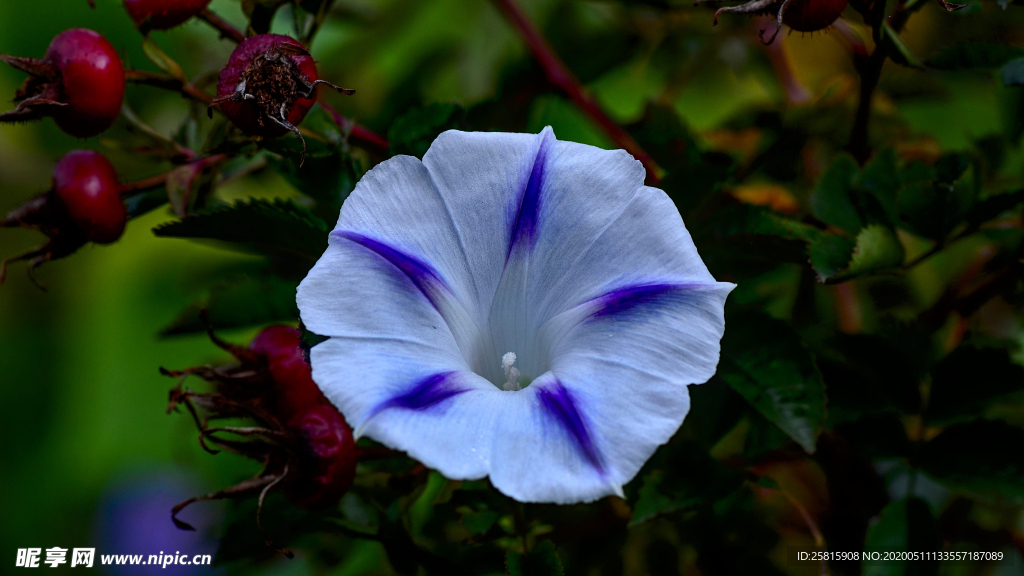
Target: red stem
{"x":363,"y":137}
{"x":221,"y":25}
{"x":161,"y":179}
{"x":560,"y":75}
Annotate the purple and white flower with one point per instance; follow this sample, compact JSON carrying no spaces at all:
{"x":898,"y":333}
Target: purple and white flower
{"x":514,"y":306}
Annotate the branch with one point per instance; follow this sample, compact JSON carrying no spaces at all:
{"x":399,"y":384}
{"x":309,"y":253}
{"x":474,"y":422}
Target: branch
{"x":227,"y":31}
{"x":560,"y":75}
{"x":161,"y":179}
{"x":870,"y":69}
{"x":187,"y":89}
{"x":363,"y":137}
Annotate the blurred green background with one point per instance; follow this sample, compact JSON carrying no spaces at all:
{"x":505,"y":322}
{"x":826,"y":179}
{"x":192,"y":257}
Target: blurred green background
{"x":83,"y":401}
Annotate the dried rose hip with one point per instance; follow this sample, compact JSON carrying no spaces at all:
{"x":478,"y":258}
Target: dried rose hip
{"x":268,"y":86}
{"x":304,"y":444}
{"x":84,"y":205}
{"x":163,"y":14}
{"x":79,"y":83}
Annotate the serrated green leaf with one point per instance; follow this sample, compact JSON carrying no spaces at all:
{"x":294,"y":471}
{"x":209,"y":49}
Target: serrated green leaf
{"x":245,"y":302}
{"x":830,"y":254}
{"x":1012,"y":73}
{"x":980,"y":457}
{"x":975,"y":55}
{"x":413,"y":132}
{"x":831,"y":201}
{"x":767,"y":363}
{"x":162,"y":60}
{"x":897,"y":50}
{"x":541,"y":561}
{"x":877,"y":248}
{"x":706,"y":480}
{"x":275,"y":228}
{"x":903,"y":526}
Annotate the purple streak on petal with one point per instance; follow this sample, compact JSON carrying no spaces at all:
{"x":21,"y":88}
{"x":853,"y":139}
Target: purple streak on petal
{"x":426,"y":393}
{"x":421,"y":274}
{"x":626,"y":299}
{"x":524,"y":229}
{"x":559,"y":403}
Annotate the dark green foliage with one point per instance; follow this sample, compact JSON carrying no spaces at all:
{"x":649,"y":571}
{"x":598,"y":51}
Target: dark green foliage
{"x":903,"y":526}
{"x":247,"y":301}
{"x":541,"y":561}
{"x":975,"y":55}
{"x":978,"y":458}
{"x":969,"y":381}
{"x":413,"y":132}
{"x":768,"y":364}
{"x":705,"y":481}
{"x":274,"y":228}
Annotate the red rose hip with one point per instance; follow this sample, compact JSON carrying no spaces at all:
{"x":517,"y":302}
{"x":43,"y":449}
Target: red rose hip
{"x":80,"y":83}
{"x":294,"y":388}
{"x":812,"y":15}
{"x":87,"y":186}
{"x":163,"y":14}
{"x":328,"y":463}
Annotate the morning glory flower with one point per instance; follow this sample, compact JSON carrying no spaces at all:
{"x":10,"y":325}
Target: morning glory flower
{"x":514,"y":307}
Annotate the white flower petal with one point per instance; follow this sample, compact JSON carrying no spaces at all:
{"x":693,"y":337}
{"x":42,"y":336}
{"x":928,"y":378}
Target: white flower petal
{"x":401,"y":396}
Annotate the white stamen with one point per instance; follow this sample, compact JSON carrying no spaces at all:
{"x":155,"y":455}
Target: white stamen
{"x":511,"y":374}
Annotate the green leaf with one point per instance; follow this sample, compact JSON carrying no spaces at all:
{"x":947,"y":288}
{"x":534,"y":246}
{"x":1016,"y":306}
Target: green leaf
{"x":830,"y":254}
{"x":162,"y":60}
{"x":1012,"y":73}
{"x":275,"y":228}
{"x":328,"y":174}
{"x":181,"y":187}
{"x":746,"y":219}
{"x":767,"y":363}
{"x":881,"y":180}
{"x":541,"y":561}
{"x":247,"y":301}
{"x":952,"y":401}
{"x":980,"y":457}
{"x":413,"y":132}
{"x":877,"y":248}
{"x":905,"y":525}
{"x":897,"y":50}
{"x":831,"y":201}
{"x":706,"y":480}
{"x":975,"y":55}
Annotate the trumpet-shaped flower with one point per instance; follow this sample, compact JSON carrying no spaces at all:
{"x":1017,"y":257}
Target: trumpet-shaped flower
{"x":514,"y":306}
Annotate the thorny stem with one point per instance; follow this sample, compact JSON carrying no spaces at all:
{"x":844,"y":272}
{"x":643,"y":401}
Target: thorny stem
{"x":227,"y":31}
{"x":560,"y":75}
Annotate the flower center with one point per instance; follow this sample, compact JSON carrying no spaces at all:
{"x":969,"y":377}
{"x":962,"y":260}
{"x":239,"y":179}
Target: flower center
{"x":511,"y":373}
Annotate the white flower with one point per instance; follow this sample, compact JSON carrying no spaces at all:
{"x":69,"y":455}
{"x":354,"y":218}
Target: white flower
{"x":514,"y":306}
